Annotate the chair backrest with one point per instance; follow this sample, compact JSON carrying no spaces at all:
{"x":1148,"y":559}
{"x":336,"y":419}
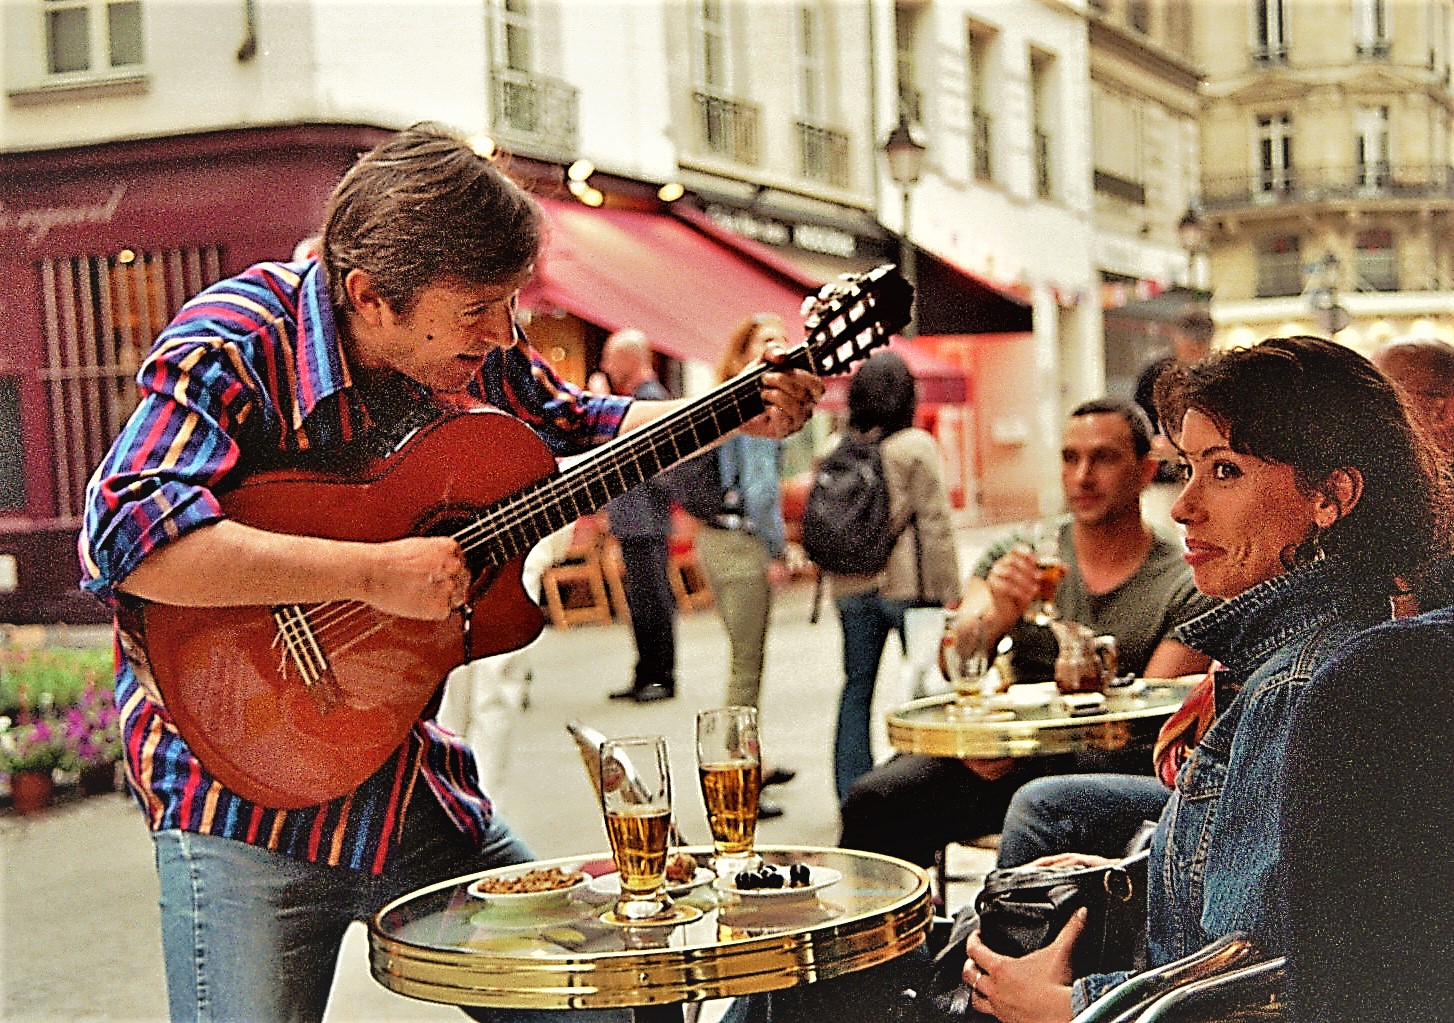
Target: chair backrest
{"x":1255,"y":992}
{"x":1125,"y":1002}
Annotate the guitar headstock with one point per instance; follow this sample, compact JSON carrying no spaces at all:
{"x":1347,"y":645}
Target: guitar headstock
{"x":853,"y":314}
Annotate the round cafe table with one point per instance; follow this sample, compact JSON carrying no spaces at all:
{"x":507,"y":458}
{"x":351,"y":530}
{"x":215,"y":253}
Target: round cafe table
{"x":1132,"y":715}
{"x":441,"y":944}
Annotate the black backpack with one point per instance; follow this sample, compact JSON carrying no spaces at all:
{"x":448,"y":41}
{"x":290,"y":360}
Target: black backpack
{"x":846,"y":525}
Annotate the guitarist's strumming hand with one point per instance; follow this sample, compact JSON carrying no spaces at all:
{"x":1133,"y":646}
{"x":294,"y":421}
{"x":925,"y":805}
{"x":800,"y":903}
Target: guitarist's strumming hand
{"x":417,"y":577}
{"x":789,"y":395}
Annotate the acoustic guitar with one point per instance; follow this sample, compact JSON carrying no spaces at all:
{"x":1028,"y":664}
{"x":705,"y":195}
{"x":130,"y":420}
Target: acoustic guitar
{"x":295,"y":704}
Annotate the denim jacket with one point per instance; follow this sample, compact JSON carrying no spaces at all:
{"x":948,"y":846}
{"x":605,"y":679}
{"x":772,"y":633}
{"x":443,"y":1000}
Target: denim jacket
{"x":1215,"y":858}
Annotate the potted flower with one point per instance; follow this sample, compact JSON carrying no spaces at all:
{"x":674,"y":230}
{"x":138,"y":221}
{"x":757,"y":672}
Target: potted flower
{"x":93,"y":735}
{"x":31,"y":751}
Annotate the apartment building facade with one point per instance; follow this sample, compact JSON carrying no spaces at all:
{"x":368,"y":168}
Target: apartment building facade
{"x":1327,"y":187}
{"x":148,"y":147}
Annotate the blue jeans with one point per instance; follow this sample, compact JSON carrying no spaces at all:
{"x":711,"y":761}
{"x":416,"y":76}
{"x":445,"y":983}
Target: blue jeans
{"x":866,"y":620}
{"x":1084,"y":813}
{"x":253,"y":937}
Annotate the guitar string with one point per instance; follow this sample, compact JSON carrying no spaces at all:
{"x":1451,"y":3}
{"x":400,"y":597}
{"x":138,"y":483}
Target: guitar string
{"x":313,"y":631}
{"x":530,"y":506}
{"x":533,"y":504}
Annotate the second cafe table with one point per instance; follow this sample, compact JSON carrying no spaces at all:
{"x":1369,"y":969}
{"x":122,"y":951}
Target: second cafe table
{"x":440,"y":944}
{"x":1129,"y":718}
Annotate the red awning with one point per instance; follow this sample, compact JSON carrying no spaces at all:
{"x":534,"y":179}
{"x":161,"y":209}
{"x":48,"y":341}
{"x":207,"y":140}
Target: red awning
{"x":621,"y":268}
{"x":936,"y":382}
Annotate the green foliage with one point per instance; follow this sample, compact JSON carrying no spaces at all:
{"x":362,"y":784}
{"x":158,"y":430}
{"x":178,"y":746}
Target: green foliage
{"x":52,"y":679}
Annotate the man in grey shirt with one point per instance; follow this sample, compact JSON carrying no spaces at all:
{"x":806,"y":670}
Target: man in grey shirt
{"x":1123,"y":579}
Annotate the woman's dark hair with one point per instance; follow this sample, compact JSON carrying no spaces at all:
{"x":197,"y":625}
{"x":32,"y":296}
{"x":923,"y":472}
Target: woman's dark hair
{"x":881,"y":395}
{"x":1318,"y":406}
{"x":421,"y":206}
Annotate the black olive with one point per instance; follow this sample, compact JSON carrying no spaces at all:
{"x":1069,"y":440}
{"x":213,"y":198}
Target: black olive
{"x":799,"y":876}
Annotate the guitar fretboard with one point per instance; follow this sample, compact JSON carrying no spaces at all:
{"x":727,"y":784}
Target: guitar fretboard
{"x":847,"y":320}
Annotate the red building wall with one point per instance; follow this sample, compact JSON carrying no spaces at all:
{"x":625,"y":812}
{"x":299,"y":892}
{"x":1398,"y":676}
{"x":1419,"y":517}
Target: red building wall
{"x":252,"y":194}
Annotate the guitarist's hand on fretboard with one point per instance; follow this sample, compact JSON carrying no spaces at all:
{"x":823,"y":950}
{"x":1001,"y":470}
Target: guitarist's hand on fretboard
{"x":790,"y":396}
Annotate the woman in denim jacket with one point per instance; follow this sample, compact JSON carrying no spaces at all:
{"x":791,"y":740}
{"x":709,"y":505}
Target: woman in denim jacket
{"x":1309,"y":495}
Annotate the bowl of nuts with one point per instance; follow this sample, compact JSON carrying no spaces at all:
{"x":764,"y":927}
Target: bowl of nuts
{"x":529,"y":888}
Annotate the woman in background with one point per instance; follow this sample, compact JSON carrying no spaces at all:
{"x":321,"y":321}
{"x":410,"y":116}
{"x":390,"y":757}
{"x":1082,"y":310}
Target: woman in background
{"x":741,"y":546}
{"x":923,"y":567}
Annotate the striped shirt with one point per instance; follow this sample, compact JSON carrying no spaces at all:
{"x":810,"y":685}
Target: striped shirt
{"x":251,"y":374}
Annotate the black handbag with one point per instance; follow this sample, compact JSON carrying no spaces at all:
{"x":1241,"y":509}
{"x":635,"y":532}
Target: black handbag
{"x":1022,"y":909}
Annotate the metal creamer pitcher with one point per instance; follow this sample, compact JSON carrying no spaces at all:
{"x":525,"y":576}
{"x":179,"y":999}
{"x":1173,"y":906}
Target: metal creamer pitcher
{"x":1086,"y":662}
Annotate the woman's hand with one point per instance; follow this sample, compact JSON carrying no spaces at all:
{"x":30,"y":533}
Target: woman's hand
{"x":1070,"y":859}
{"x":1032,"y":989}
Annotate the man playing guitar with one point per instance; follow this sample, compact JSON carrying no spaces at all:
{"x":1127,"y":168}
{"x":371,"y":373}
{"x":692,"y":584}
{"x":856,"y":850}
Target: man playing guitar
{"x":408,"y":312}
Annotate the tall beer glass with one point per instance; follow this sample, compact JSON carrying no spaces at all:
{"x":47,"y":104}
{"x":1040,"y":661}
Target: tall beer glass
{"x":636,"y":801}
{"x":729,"y":766}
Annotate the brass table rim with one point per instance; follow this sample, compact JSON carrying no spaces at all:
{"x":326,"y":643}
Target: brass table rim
{"x":636,"y":977}
{"x":1063,"y":733}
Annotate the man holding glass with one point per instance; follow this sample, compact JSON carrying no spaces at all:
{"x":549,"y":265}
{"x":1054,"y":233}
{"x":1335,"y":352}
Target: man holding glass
{"x":1121,"y":578}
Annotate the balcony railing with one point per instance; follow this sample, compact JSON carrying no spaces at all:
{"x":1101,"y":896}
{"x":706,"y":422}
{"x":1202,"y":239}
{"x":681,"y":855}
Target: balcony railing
{"x":1331,"y":184}
{"x":727,"y":127}
{"x":536,"y":111}
{"x":824,"y":154}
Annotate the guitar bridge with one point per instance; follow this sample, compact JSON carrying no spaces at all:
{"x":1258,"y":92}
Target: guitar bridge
{"x":299,"y":647}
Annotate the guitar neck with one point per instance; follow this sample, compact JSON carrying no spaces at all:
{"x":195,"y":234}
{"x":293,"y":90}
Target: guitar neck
{"x":846,"y":322}
{"x":514,"y":525}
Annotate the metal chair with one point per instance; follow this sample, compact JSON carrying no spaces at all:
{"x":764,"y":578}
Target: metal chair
{"x":589,"y":742}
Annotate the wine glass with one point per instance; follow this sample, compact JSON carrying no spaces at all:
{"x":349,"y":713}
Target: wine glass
{"x":964,"y":661}
{"x":1045,"y":542}
{"x":729,"y":765}
{"x":636,"y":801}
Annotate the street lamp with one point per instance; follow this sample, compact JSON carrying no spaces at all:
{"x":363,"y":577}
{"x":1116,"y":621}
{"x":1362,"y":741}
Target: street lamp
{"x":1323,"y":296}
{"x":905,"y":155}
{"x":1191,"y":230}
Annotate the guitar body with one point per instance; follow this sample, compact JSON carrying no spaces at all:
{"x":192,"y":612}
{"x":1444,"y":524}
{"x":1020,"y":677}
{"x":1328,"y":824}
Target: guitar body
{"x":227,"y":681}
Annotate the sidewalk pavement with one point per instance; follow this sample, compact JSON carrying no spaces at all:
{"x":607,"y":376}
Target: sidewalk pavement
{"x":78,"y":892}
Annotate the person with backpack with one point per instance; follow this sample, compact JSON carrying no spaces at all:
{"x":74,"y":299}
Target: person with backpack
{"x":881,"y":564}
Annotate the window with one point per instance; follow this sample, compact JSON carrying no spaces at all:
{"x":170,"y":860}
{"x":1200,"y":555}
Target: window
{"x":712,"y":74}
{"x":822,"y":152}
{"x":1279,"y":267}
{"x":1376,"y":260}
{"x":812,"y":75}
{"x":92,"y":37}
{"x":1269,"y":32}
{"x":516,"y":38}
{"x":12,"y":461}
{"x":1370,"y":27}
{"x":1371,"y":146}
{"x":726,"y":125}
{"x":1274,"y":152}
{"x":1117,"y":143}
{"x":101,"y":315}
{"x":906,"y":34}
{"x":1043,"y":113}
{"x":979,"y":48}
